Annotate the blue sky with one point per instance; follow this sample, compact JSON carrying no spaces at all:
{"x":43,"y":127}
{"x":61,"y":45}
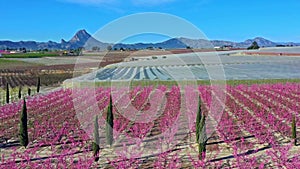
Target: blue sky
{"x":235,"y":20}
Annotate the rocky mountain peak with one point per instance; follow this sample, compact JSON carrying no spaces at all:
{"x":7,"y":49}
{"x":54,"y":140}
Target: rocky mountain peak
{"x":80,"y":36}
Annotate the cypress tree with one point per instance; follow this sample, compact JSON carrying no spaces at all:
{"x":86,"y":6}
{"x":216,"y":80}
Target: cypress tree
{"x":109,"y":123}
{"x":294,"y":134}
{"x":96,"y":142}
{"x":23,"y":126}
{"x":20,"y":93}
{"x":29,"y":91}
{"x":254,"y":45}
{"x":202,"y":137}
{"x":38,"y":85}
{"x":7,"y":93}
{"x":198,"y":118}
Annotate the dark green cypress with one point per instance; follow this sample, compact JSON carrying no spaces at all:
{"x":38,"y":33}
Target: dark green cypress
{"x":38,"y":85}
{"x":198,"y":118}
{"x":96,"y":142}
{"x":29,"y":91}
{"x":109,"y":123}
{"x":7,"y":93}
{"x":23,"y":126}
{"x":202,"y":137}
{"x":20,"y":93}
{"x":294,"y":134}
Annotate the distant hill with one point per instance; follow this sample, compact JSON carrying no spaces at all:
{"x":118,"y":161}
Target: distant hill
{"x":176,"y":43}
{"x":201,"y":43}
{"x":83,"y":39}
{"x":80,"y":39}
{"x":169,"y":44}
{"x":260,"y":41}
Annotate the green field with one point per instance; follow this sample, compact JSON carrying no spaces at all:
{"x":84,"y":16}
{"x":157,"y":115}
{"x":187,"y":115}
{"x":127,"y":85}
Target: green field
{"x":5,"y":63}
{"x":30,"y":55}
{"x":155,"y":83}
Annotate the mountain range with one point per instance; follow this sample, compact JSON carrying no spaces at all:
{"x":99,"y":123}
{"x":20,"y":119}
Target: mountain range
{"x":83,"y":39}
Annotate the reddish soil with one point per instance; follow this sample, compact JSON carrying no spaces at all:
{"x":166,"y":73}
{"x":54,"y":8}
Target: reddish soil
{"x":272,"y":53}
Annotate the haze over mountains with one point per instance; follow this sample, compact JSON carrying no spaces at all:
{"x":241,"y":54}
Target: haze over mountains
{"x":83,"y":39}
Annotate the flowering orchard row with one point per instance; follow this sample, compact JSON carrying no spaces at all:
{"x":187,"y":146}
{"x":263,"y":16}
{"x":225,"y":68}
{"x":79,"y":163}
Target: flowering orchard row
{"x":246,"y":126}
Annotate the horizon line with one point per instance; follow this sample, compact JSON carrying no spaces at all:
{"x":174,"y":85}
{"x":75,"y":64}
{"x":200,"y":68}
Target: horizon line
{"x":150,"y":42}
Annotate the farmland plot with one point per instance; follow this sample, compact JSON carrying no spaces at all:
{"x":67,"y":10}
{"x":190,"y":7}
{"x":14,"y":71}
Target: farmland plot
{"x":155,"y":127}
{"x":203,"y":67}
